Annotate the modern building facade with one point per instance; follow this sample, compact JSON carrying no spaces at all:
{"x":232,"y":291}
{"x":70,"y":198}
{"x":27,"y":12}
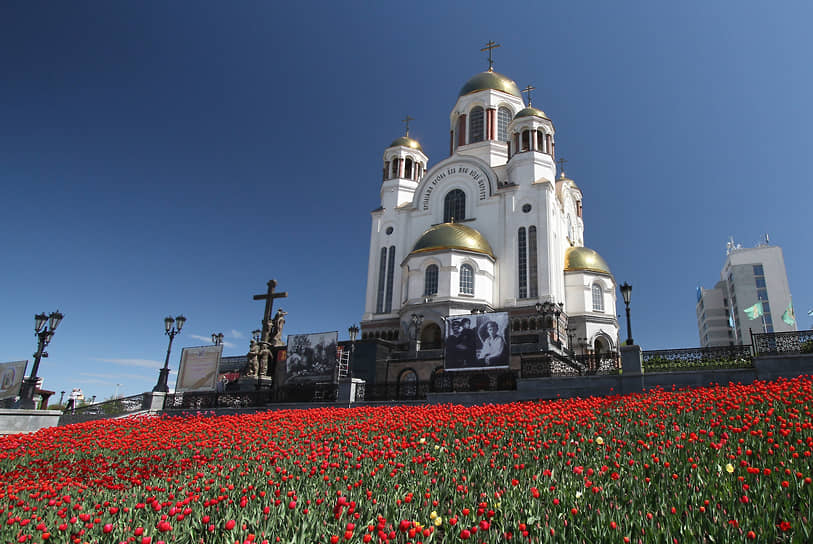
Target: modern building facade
{"x":752,"y":296}
{"x":490,"y":228}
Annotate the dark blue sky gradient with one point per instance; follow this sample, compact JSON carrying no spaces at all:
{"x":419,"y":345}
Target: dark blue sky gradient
{"x":170,"y":157}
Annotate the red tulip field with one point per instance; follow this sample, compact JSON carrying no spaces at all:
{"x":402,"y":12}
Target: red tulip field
{"x":720,"y":464}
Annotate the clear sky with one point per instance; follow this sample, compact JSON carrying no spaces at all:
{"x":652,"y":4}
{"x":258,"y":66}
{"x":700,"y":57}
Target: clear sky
{"x":159,"y":158}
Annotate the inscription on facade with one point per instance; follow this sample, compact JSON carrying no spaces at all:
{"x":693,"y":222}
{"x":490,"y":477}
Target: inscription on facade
{"x":474,"y":173}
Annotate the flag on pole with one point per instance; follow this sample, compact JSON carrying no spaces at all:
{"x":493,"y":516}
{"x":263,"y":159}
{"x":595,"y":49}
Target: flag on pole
{"x":810,"y":312}
{"x":731,"y":320}
{"x":789,"y":316}
{"x":754,"y":311}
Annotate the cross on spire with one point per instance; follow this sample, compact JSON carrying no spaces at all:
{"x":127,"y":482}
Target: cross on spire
{"x":528,"y":90}
{"x":406,"y":120}
{"x":489,"y":46}
{"x":561,"y":162}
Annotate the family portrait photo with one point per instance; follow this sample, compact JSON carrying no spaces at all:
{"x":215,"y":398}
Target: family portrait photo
{"x":477,"y":341}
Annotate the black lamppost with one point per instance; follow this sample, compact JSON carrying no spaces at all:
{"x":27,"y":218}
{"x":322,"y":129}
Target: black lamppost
{"x":626,"y":291}
{"x":217,"y":339}
{"x":173,"y":327}
{"x":44,"y":334}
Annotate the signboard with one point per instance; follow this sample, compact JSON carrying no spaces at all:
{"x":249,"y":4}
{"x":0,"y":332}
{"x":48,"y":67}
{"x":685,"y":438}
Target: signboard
{"x":11,"y":377}
{"x":198,"y":370}
{"x":477,"y":341}
{"x":311,"y":358}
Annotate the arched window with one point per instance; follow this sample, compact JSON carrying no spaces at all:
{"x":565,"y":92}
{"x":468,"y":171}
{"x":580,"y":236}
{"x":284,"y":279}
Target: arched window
{"x":394,"y":168}
{"x":598,"y":298}
{"x":454,"y":206}
{"x":533,"y":289}
{"x":476,"y":125}
{"x":430,"y":282}
{"x":386,"y":270}
{"x":386,"y":169}
{"x":522,"y":262}
{"x":390,"y":273}
{"x":503,"y":118}
{"x":526,"y":141}
{"x":540,"y":141}
{"x":382,"y":281}
{"x":408,"y":384}
{"x":466,"y":280}
{"x":408,"y":168}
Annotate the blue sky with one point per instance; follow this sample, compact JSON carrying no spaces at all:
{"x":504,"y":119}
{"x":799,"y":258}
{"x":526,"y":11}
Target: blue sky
{"x":159,"y":158}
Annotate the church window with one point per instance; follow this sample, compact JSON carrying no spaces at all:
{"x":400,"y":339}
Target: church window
{"x":395,"y":168}
{"x":540,"y":141}
{"x":533,"y":291}
{"x":476,"y":125}
{"x":466,"y":280}
{"x":526,"y":208}
{"x":522,"y":263}
{"x":578,"y":208}
{"x":503,"y":118}
{"x":389,"y":230}
{"x":407,"y":384}
{"x":386,"y":169}
{"x":526,"y":141}
{"x":454,"y":206}
{"x":390,"y":274}
{"x":382,"y":276}
{"x":598,"y":298}
{"x":408,"y":169}
{"x":430,"y":282}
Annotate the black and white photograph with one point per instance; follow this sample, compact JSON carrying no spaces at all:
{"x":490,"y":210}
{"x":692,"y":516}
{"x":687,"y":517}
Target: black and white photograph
{"x":477,"y":341}
{"x":311,"y":358}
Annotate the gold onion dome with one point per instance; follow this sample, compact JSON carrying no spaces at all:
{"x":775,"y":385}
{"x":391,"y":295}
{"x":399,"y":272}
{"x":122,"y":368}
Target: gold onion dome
{"x":406,"y":141}
{"x":452,"y":236}
{"x":564,"y":178}
{"x":490,"y":80}
{"x":583,"y":258}
{"x":531,"y":112}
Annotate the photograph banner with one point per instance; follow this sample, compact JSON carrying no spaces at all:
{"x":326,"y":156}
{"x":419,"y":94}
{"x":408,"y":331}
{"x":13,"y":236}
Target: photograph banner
{"x":198,"y":370}
{"x":311,"y":358}
{"x":11,"y":377}
{"x":477,"y":341}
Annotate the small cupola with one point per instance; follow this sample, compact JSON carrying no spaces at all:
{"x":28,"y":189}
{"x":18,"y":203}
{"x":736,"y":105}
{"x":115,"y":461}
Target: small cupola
{"x":404,"y":158}
{"x":531,"y":130}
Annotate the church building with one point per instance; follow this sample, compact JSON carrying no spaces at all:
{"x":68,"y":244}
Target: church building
{"x":490,"y":228}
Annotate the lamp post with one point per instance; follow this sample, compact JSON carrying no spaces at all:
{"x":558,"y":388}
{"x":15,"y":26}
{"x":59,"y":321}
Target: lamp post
{"x":417,"y":320}
{"x":217,"y":339}
{"x":626,"y":291}
{"x":44,"y":327}
{"x":172,"y":328}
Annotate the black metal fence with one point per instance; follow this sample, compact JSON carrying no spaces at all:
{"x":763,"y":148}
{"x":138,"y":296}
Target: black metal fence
{"x":551,"y":364}
{"x":107,"y":409}
{"x":205,"y":400}
{"x":775,"y":343}
{"x":443,"y":382}
{"x":712,"y":358}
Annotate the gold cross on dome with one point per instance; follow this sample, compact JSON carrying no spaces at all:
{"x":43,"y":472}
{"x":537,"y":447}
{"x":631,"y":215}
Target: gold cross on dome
{"x":406,"y":120}
{"x":490,"y":45}
{"x":561,"y":162}
{"x":528,"y":90}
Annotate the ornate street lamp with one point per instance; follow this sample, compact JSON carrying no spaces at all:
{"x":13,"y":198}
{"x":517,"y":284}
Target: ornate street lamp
{"x":553,"y":310}
{"x":626,"y":291}
{"x":172,"y":328}
{"x":217,"y":339}
{"x":44,"y":334}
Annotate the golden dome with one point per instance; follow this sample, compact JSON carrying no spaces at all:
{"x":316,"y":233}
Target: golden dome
{"x":406,"y":141}
{"x":452,"y":236}
{"x":531,"y":112}
{"x":564,"y":178}
{"x":490,"y":80}
{"x":583,"y":258}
